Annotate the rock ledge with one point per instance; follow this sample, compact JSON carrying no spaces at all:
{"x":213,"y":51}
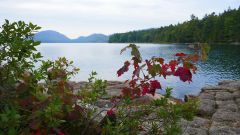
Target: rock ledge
{"x":218,"y":112}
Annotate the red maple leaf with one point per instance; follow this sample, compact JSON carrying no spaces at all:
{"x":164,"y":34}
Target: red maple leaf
{"x":149,"y":65}
{"x":164,"y":70}
{"x":184,"y":74}
{"x":155,"y":84}
{"x":145,"y":89}
{"x":120,"y":72}
{"x":161,"y":60}
{"x":173,"y":64}
{"x":124,"y":68}
{"x":180,"y":54}
{"x":110,"y":112}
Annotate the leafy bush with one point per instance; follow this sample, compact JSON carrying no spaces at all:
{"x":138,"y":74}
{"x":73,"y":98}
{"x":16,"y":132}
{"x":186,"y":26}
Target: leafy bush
{"x":18,"y":52}
{"x":41,"y":100}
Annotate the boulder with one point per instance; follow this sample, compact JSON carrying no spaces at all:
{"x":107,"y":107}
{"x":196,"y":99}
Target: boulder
{"x":206,"y":107}
{"x":206,"y":95}
{"x":222,"y":131}
{"x":226,"y":116}
{"x":224,"y":96}
{"x":199,"y":126}
{"x":231,"y":84}
{"x":227,"y":105}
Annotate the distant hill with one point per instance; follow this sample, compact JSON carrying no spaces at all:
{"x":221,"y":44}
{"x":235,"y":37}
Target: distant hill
{"x":50,"y":36}
{"x":212,"y":28}
{"x":94,"y":38}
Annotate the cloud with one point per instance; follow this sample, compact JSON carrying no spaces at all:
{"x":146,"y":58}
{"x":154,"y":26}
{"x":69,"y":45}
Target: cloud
{"x":83,"y":17}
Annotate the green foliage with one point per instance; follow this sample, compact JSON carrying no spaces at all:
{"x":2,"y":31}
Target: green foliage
{"x":212,"y":28}
{"x":10,"y":121}
{"x":17,"y":49}
{"x":94,"y":89}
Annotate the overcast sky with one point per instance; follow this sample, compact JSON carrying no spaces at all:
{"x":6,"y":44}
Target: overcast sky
{"x":83,"y":17}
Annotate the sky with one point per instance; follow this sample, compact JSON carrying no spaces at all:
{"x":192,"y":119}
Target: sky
{"x":76,"y":18}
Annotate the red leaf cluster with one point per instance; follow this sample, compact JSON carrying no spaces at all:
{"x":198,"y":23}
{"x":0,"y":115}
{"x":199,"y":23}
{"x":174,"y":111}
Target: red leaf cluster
{"x":173,"y":64}
{"x":180,"y":54}
{"x":184,"y":74}
{"x":150,"y":88}
{"x":164,"y":71}
{"x":143,"y":79}
{"x":145,"y":89}
{"x":155,"y":84}
{"x":125,"y":68}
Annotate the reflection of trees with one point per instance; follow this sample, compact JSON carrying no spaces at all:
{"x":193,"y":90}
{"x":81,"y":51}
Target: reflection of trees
{"x":223,"y":61}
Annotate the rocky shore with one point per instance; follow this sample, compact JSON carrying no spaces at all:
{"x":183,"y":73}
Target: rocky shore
{"x":218,"y":111}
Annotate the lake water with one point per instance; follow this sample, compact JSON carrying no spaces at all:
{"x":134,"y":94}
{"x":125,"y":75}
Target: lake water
{"x":223,"y":62}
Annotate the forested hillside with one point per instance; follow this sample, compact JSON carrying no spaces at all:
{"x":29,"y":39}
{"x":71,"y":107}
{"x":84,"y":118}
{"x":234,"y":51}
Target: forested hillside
{"x":221,"y":28}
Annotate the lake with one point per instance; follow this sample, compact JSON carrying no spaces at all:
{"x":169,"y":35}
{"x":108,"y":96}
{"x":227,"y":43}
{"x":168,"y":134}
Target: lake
{"x":223,"y":62}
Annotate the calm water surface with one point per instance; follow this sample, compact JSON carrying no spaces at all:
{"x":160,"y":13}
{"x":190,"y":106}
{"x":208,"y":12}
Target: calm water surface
{"x":223,"y":62}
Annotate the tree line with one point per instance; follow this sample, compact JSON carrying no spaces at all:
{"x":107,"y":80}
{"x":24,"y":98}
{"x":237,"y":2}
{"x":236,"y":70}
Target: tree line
{"x":212,"y":28}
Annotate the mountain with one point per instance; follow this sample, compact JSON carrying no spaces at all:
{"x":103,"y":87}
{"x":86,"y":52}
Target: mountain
{"x":212,"y":28}
{"x":50,"y":36}
{"x":94,"y":38}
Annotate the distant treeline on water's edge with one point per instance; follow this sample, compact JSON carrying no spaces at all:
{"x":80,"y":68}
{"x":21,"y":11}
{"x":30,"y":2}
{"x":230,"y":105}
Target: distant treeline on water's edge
{"x":221,"y":28}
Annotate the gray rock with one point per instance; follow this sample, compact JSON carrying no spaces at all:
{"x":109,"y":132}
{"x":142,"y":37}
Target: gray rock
{"x":222,"y":105}
{"x":225,"y":123}
{"x":206,"y":95}
{"x":238,"y":102}
{"x":225,"y":82}
{"x":113,"y":92}
{"x":219,"y":88}
{"x":194,"y":131}
{"x":197,"y":122}
{"x":231,"y":84}
{"x":227,"y":105}
{"x":236,"y":94}
{"x":206,"y":107}
{"x":99,"y":115}
{"x":104,"y":103}
{"x":146,"y":99}
{"x":224,"y":96}
{"x":214,"y":88}
{"x":221,"y":131}
{"x":226,"y":116}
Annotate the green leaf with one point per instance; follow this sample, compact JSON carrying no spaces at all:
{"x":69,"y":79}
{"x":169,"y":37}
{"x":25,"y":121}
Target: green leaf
{"x":134,"y":51}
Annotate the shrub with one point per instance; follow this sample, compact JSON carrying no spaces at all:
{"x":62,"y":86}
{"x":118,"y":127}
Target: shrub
{"x":17,"y":48}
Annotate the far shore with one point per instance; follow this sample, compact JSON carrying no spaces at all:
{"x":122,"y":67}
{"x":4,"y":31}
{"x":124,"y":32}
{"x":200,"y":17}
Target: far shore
{"x":216,"y":43}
